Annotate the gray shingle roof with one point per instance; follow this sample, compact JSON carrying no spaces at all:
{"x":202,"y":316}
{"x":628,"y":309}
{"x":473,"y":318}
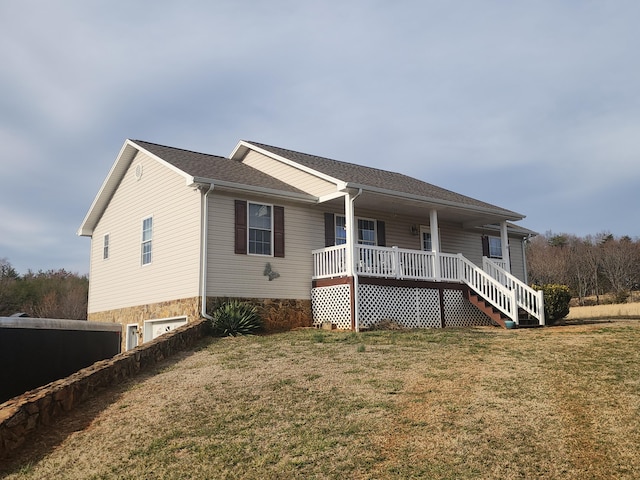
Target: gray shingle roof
{"x":214,"y":167}
{"x":377,"y":178}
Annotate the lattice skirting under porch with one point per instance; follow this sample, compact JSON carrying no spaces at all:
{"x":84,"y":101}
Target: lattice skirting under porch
{"x":411,"y":307}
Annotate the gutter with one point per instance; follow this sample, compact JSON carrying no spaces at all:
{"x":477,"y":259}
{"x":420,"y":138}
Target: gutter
{"x":203,"y":253}
{"x":500,"y":212}
{"x":232,"y":186}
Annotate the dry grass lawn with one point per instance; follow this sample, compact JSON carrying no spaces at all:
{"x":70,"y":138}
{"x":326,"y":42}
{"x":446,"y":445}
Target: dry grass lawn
{"x":560,"y":402}
{"x":614,"y":310}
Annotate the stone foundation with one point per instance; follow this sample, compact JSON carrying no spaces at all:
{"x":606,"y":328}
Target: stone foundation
{"x":186,"y":307}
{"x":278,"y":315}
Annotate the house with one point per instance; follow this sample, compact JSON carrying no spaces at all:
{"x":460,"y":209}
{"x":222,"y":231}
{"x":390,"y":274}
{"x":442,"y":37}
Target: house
{"x":310,"y":239}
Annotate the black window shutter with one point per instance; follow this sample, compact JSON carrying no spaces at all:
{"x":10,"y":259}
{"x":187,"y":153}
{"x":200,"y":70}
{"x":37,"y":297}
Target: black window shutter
{"x":241,"y":227}
{"x":278,"y":231}
{"x":329,"y":230}
{"x":485,"y":246}
{"x":382,"y":236}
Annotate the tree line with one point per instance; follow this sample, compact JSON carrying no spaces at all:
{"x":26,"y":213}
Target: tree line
{"x":43,"y":294}
{"x":590,"y":266}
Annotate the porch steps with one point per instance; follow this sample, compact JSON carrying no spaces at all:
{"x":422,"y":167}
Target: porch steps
{"x":524,"y":319}
{"x":485,"y":307}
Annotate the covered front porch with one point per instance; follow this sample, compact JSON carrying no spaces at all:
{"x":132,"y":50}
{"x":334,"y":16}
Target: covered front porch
{"x":417,"y":289}
{"x":356,"y":284}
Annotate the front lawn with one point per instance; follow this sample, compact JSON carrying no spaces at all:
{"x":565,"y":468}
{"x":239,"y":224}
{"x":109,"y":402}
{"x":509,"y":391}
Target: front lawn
{"x":559,"y":402}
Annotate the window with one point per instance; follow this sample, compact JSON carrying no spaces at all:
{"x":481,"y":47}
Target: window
{"x":147,"y":234}
{"x":105,"y":247}
{"x":495,"y":247}
{"x":341,"y":230}
{"x":366,"y":231}
{"x":426,"y":241}
{"x":260,"y":228}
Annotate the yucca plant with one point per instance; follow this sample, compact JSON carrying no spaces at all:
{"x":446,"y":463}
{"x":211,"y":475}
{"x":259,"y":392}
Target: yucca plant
{"x":234,"y":318}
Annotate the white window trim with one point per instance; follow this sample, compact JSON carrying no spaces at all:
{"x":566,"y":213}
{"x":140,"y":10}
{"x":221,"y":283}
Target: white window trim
{"x":335,"y":229}
{"x":490,"y":237}
{"x":427,"y":229}
{"x":375,"y":228}
{"x":142,"y":241}
{"x":106,"y":246}
{"x":249,"y":203}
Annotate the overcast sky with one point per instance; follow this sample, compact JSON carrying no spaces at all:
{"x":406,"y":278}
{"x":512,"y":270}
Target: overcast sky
{"x":532,"y":106}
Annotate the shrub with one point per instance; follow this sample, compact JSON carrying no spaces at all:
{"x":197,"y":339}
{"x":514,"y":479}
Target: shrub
{"x":622,"y":296}
{"x":556,"y":301}
{"x":234,"y":318}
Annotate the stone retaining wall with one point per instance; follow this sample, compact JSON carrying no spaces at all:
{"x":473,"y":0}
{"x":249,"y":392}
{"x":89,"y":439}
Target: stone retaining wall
{"x":22,"y":415}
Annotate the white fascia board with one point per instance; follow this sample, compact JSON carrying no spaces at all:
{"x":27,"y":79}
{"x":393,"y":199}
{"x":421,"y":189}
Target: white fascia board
{"x":243,"y":147}
{"x":499,"y":213}
{"x":111,"y":182}
{"x":514,"y":230}
{"x":231,"y":186}
{"x":331,"y":196}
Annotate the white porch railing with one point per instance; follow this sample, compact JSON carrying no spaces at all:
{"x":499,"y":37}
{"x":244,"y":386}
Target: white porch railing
{"x":399,"y":263}
{"x":330,"y":262}
{"x":530,"y":300}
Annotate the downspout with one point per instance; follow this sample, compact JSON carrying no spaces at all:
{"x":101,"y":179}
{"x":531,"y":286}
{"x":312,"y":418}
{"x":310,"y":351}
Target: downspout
{"x":352,"y":202}
{"x":525,"y":241}
{"x":204,"y":236}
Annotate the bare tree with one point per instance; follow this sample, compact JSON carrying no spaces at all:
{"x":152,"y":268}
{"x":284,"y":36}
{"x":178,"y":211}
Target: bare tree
{"x":547,"y":258}
{"x":619,"y":260}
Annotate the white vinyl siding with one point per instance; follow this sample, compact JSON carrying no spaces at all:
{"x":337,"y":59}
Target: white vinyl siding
{"x":302,"y":180}
{"x":231,"y":275}
{"x":174,"y":271}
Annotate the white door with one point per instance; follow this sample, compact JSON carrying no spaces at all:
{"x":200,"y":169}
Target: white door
{"x":132,"y":336}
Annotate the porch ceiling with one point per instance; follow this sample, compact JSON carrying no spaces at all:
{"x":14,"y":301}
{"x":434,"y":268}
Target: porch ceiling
{"x":419,"y":209}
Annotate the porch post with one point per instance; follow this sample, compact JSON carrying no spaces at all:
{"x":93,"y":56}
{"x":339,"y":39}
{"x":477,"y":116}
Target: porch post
{"x":504,"y":240}
{"x":435,"y":242}
{"x":352,"y":238}
{"x":349,"y":227}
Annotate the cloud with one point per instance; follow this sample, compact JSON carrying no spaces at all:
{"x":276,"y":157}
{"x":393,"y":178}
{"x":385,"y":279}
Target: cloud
{"x":529,"y":106}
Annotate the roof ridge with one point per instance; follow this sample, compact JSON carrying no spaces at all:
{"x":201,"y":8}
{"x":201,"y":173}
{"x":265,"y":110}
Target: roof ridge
{"x":331,"y":159}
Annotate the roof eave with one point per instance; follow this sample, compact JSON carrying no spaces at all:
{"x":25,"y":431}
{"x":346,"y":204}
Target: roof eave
{"x":111,"y":182}
{"x":498,"y":213}
{"x":272,"y":192}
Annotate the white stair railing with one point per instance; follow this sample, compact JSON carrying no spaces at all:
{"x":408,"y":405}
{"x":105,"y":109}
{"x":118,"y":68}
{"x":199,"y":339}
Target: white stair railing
{"x":491,"y":290}
{"x":530,"y":300}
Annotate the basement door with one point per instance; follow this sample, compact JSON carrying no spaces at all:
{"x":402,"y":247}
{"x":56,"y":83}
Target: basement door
{"x":132,"y":336}
{"x":155,"y":328}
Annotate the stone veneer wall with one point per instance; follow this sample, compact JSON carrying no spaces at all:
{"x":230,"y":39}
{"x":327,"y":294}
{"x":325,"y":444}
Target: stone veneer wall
{"x":278,"y":315}
{"x":189,"y":307}
{"x":22,"y":415}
